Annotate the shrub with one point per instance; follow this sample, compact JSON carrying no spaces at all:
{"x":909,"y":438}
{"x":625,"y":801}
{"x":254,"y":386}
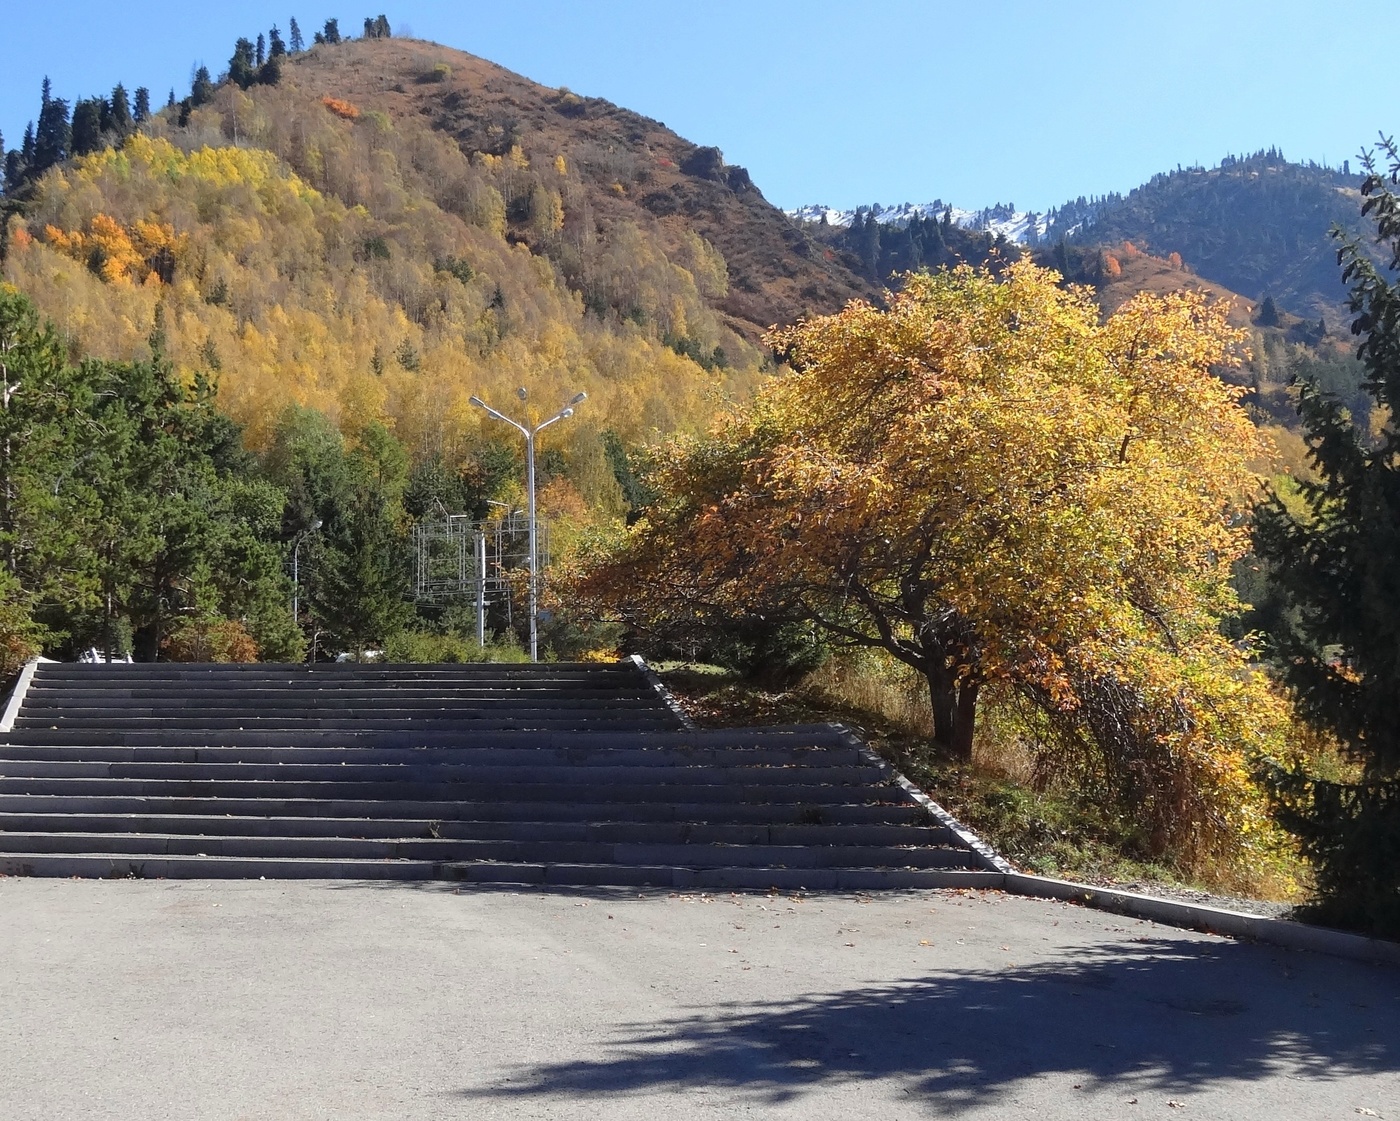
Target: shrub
{"x":342,"y":109}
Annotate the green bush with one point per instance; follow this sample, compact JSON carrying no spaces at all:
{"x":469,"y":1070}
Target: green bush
{"x":428,"y":647}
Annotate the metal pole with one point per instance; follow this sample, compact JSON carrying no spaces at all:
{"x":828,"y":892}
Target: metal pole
{"x":481,"y":590}
{"x":296,"y":586}
{"x":534,"y":551}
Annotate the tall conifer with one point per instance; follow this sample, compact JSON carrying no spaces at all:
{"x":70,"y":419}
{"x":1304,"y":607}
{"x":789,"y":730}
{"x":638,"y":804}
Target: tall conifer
{"x":52,"y":137}
{"x":121,"y":111}
{"x":142,"y":111}
{"x":87,"y":126}
{"x":297,"y":43}
{"x":202,"y":89}
{"x":1337,"y":569}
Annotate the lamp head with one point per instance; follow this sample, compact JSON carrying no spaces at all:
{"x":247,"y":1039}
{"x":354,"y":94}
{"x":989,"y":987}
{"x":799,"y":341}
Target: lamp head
{"x":522,"y":393}
{"x":579,"y":398}
{"x":315,"y":525}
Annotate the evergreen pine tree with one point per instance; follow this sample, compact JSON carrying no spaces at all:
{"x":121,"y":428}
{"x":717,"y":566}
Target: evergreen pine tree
{"x":202,"y":89}
{"x":242,"y":68}
{"x":142,"y":112}
{"x":275,"y":47}
{"x":121,"y":111}
{"x":331,"y":33}
{"x":297,"y":43}
{"x":26,"y":150}
{"x":1268,"y":313}
{"x":260,"y":51}
{"x":369,"y":28}
{"x":381,"y":28}
{"x":87,"y":126}
{"x":1336,"y":568}
{"x":52,"y":137}
{"x":170,"y":101}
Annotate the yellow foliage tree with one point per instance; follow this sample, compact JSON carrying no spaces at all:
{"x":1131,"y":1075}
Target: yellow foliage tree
{"x":999,"y":491}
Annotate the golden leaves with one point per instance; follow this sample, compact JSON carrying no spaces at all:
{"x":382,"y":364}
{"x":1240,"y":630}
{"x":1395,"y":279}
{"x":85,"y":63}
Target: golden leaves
{"x":121,"y":255}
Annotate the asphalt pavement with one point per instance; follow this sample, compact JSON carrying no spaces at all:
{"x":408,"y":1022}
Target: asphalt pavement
{"x":184,"y":1001}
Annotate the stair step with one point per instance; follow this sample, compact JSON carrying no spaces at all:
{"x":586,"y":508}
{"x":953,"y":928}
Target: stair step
{"x":435,"y":771}
{"x":597,"y":754}
{"x":798,"y":735}
{"x":453,"y":849}
{"x":153,"y":866}
{"x":768,"y":792}
{"x":891,"y":813}
{"x":615,"y":832}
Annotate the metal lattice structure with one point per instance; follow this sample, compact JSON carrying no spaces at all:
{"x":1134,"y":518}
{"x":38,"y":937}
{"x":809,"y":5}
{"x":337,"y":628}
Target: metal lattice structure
{"x":455,"y":556}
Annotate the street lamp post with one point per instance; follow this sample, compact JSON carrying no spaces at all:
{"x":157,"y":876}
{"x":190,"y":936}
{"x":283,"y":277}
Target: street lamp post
{"x":530,"y":434}
{"x":296,"y":587}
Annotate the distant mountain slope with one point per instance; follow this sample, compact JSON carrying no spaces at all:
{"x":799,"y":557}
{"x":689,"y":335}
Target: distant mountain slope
{"x":1258,"y":226}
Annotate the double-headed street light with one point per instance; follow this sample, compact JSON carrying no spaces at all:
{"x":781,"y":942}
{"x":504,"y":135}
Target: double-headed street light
{"x":530,"y":434}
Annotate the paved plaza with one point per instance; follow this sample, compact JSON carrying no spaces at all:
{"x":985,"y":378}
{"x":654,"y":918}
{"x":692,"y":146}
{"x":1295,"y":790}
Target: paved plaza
{"x":193,"y":1000}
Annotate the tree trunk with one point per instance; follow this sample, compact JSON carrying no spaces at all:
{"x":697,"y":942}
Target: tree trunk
{"x":954,"y":707}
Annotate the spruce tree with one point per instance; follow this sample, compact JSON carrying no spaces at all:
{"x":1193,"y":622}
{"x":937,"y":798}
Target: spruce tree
{"x":260,"y":51}
{"x":202,"y":89}
{"x":87,"y":126}
{"x":1336,"y":568}
{"x":297,"y":43}
{"x":121,"y":111}
{"x":52,"y":137}
{"x":381,"y":28}
{"x":275,"y":47}
{"x":242,"y":67}
{"x":170,"y":101}
{"x":142,"y":112}
{"x":369,"y":28}
{"x":331,"y":33}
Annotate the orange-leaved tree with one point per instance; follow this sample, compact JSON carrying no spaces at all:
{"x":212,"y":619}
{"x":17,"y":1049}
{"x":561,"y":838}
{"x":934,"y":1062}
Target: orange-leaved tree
{"x":998,"y":489}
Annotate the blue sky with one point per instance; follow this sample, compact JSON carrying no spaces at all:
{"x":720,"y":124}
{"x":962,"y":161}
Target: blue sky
{"x":843,"y":103}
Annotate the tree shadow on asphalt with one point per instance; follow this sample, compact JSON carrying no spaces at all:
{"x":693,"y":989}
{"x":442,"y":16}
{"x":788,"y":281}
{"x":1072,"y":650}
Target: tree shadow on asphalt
{"x":1158,"y":1014}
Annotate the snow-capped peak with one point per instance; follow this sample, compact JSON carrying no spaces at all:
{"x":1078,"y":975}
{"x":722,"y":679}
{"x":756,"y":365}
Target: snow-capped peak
{"x":1015,"y":225}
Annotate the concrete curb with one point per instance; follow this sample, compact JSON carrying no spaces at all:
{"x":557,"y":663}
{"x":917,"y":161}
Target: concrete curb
{"x":26,"y":675}
{"x":661,"y":691}
{"x":986,"y":855}
{"x":1169,"y":912}
{"x":1211,"y":920}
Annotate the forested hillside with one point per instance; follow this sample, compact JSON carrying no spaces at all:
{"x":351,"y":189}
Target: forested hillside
{"x":393,"y":226}
{"x":1257,"y":225}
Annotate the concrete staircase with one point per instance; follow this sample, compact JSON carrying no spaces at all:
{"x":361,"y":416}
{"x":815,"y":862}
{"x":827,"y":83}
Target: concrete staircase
{"x":552,"y":774}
